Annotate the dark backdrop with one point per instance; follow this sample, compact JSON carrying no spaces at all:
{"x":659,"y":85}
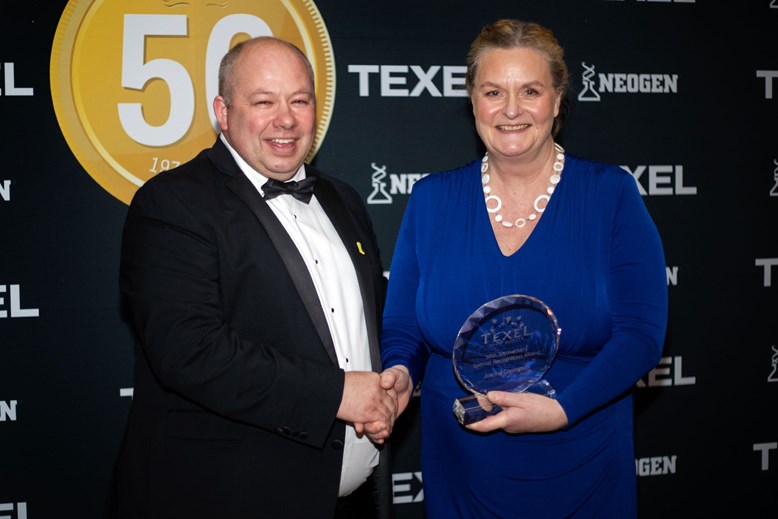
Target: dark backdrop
{"x":701,"y":143}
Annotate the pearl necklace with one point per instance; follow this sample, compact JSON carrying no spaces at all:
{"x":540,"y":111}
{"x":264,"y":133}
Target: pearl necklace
{"x":559,"y":164}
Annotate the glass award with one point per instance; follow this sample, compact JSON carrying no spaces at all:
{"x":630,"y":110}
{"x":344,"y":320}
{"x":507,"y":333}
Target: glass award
{"x":507,"y":344}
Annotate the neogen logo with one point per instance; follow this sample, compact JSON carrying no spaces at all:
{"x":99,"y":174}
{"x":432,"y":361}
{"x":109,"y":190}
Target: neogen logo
{"x":7,"y":412}
{"x":397,"y":184}
{"x":595,"y":84}
{"x":774,"y":190}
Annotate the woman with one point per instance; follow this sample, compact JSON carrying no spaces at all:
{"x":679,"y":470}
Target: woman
{"x":528,"y":218}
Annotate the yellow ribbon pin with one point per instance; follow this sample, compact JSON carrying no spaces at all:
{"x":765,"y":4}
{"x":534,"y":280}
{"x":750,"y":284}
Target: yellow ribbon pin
{"x":359,"y":246}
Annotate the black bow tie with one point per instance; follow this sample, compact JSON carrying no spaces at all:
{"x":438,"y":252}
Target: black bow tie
{"x":302,"y":190}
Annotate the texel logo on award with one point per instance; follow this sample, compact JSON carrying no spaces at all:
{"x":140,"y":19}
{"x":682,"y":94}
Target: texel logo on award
{"x":132,"y":82}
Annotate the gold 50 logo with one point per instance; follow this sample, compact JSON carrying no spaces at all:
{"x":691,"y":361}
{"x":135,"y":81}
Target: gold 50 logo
{"x":132,"y":82}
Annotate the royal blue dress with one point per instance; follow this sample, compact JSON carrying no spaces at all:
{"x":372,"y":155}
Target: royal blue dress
{"x":596,"y":259}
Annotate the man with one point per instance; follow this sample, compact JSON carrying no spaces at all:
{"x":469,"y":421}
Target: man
{"x":256,"y":392}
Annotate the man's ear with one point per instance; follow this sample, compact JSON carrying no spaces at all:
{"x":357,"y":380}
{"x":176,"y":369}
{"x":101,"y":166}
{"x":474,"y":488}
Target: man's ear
{"x":220,"y":111}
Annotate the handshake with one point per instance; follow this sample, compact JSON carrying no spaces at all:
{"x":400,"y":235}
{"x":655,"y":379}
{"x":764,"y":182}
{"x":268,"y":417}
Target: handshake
{"x":372,"y":401}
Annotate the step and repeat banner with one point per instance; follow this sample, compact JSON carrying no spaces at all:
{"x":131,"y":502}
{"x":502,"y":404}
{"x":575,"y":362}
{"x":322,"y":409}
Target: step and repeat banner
{"x":98,"y":96}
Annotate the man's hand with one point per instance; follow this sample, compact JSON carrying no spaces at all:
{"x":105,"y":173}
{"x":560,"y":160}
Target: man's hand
{"x":367,"y":405}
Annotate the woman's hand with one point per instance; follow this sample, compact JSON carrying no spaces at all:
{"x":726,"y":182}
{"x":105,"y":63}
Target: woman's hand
{"x":522,"y":413}
{"x":398,"y":379}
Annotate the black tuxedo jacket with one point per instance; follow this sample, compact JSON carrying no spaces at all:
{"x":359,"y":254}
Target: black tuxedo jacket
{"x":236,"y":383}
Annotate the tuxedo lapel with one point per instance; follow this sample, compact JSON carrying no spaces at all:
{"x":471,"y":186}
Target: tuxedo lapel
{"x":245,"y":190}
{"x":341,"y":219}
{"x":355,"y":245}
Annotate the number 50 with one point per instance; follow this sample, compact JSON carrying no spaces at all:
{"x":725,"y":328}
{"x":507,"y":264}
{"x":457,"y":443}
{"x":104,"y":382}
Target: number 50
{"x":136,"y":73}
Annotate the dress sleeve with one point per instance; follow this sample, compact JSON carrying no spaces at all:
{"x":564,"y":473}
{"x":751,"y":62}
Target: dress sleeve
{"x":401,"y":340}
{"x":637,"y":290}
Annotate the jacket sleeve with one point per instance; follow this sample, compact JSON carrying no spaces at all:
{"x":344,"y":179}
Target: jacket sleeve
{"x":170,"y":277}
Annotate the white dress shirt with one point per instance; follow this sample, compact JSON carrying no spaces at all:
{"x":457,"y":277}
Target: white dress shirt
{"x":336,"y":283}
